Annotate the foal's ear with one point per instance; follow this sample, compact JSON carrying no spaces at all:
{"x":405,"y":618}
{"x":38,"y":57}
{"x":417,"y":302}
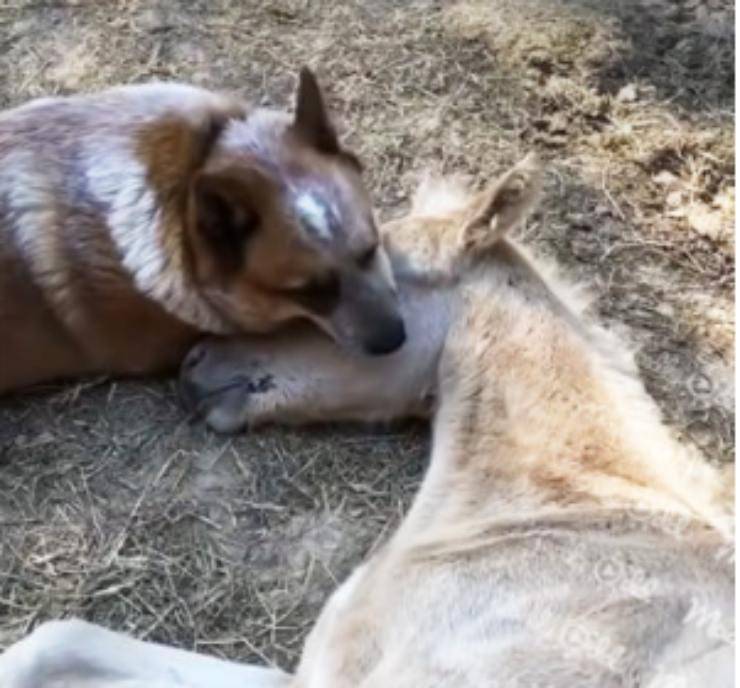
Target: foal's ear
{"x":503,"y":205}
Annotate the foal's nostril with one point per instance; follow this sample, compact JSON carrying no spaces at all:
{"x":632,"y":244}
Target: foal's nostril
{"x":189,"y":395}
{"x":190,"y":392}
{"x":194,"y":357}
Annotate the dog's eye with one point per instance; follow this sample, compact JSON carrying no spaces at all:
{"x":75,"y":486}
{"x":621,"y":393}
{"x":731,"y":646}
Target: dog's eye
{"x":319,"y":294}
{"x":366,"y":258}
{"x":320,"y":288}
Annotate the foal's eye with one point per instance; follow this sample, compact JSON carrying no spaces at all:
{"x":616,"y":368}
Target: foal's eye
{"x":366,"y":258}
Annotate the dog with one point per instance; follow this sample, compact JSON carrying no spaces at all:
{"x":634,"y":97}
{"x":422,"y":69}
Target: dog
{"x":134,"y":220}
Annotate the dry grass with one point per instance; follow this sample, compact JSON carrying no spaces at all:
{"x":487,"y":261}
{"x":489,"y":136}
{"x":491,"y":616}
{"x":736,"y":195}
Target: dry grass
{"x":114,"y":508}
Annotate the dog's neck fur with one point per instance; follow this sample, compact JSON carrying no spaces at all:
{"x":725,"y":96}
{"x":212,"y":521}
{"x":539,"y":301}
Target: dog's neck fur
{"x":146,"y":225}
{"x":142,"y":230}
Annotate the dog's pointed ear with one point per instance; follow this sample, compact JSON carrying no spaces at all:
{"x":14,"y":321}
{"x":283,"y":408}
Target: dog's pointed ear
{"x":224,"y":216}
{"x":503,"y":205}
{"x":311,"y":121}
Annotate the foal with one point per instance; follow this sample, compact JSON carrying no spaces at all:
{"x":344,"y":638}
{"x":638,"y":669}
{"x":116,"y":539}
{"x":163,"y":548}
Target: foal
{"x":561,"y":536}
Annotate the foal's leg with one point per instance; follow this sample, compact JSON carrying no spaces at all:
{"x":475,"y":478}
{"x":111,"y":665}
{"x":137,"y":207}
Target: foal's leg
{"x":76,"y":654}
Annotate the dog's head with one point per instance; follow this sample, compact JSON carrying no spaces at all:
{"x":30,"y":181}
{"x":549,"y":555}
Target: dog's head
{"x":280,"y":226}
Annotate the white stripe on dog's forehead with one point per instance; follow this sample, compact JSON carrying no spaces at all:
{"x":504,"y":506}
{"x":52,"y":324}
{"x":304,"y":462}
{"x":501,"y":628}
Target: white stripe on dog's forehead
{"x":316,"y":213}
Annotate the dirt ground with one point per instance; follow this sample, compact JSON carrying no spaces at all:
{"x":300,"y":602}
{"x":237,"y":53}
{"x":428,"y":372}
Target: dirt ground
{"x":114,"y":508}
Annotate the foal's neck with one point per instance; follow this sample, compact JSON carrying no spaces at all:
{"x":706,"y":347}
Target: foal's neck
{"x":539,"y":409}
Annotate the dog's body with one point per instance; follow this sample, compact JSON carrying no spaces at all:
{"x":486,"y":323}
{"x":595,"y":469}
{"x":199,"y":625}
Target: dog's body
{"x":561,"y":537}
{"x":134,"y":219}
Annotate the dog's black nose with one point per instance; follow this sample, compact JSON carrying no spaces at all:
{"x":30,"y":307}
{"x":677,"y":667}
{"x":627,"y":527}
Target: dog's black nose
{"x":387,"y":339}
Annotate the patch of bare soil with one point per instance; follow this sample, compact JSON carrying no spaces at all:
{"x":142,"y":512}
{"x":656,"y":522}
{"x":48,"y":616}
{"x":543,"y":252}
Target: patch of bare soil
{"x":114,"y":508}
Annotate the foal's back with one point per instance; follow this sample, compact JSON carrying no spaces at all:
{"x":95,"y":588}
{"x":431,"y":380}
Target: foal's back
{"x":562,"y":601}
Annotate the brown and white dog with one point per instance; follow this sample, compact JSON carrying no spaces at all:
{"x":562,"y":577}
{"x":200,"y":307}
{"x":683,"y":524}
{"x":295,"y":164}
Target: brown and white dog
{"x":135,"y":219}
